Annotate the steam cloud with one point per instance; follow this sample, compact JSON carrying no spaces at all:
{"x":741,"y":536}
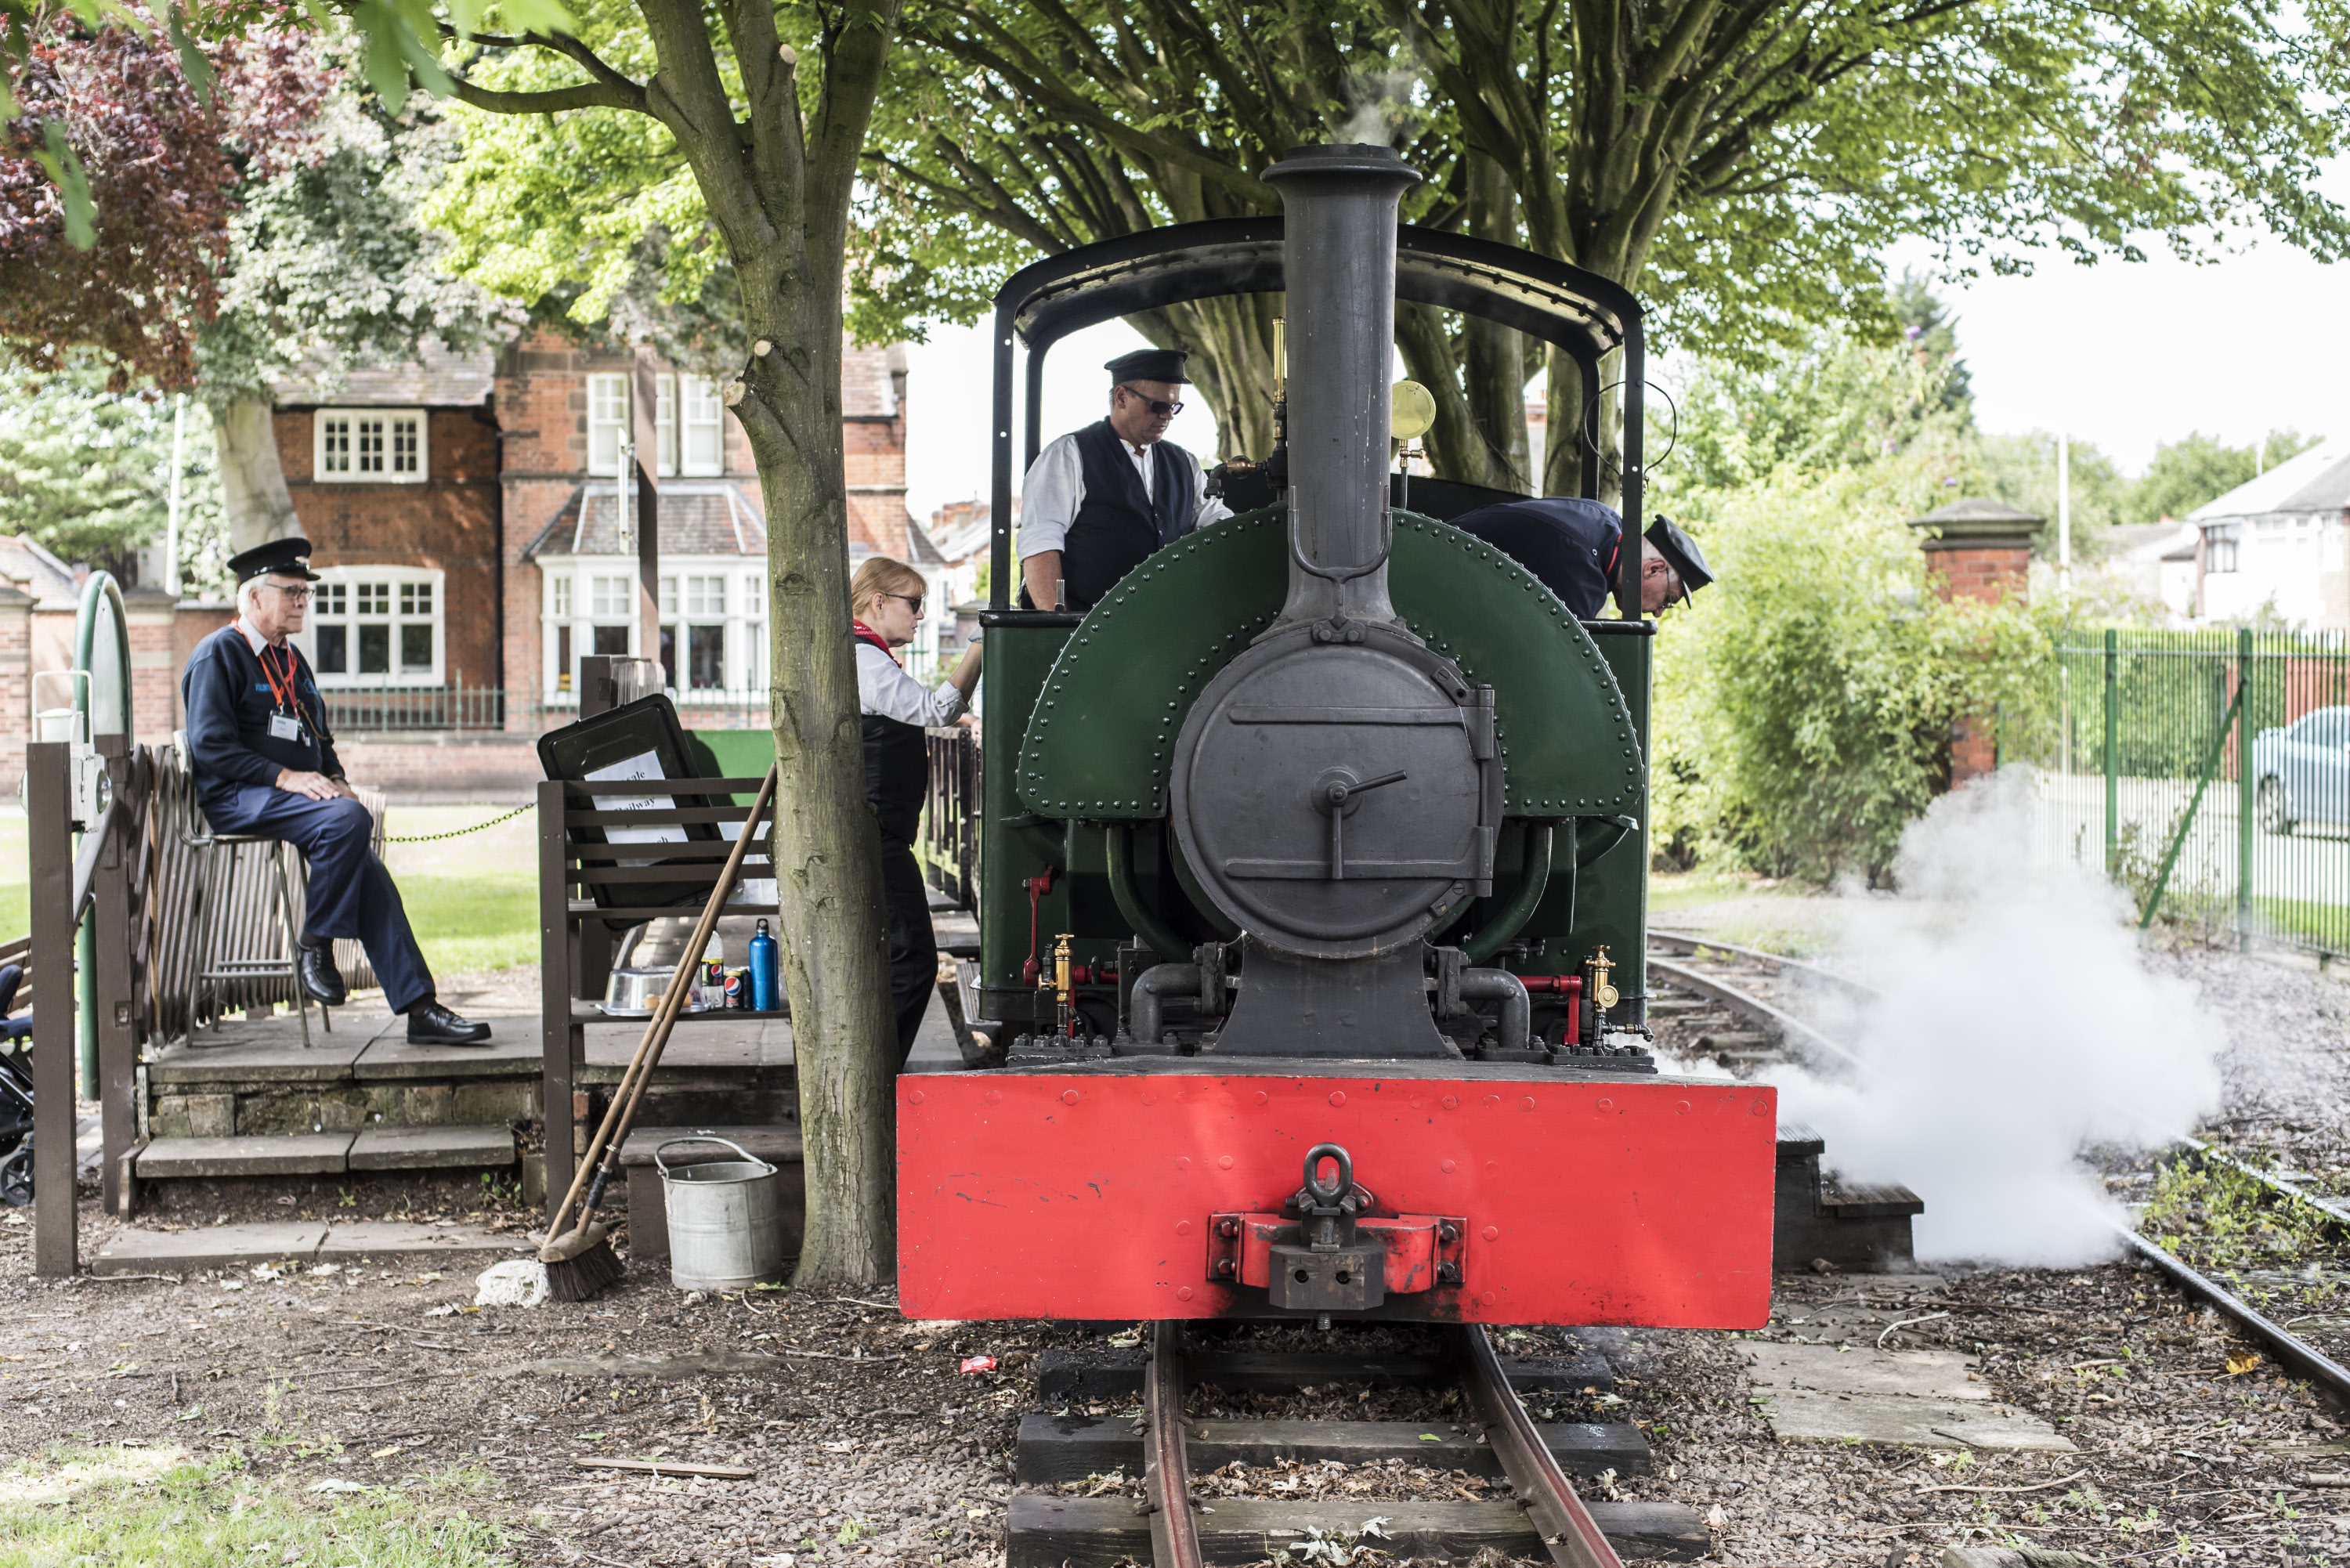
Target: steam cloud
{"x":2017,"y":1022}
{"x":1383,"y":100}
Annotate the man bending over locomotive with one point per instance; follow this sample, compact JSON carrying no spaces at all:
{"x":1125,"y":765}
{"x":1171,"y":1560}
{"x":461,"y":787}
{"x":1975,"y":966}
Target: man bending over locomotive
{"x":1100,"y":500}
{"x":264,"y":764}
{"x":1570,"y":546}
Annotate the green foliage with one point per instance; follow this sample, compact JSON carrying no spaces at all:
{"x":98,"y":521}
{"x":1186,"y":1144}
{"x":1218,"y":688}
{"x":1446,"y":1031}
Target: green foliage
{"x":1928,"y":328}
{"x":1804,"y":704}
{"x":87,"y":472}
{"x":2021,"y":472}
{"x":334,"y":264}
{"x":1834,"y":401}
{"x":2187,"y":473}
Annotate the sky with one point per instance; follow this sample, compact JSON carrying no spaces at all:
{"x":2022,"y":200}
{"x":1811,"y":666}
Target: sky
{"x":2125,"y":355}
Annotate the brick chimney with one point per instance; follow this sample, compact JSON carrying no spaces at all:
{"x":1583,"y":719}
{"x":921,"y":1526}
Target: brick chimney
{"x":1981,"y":550}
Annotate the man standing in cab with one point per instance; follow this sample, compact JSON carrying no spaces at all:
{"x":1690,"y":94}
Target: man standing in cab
{"x":1099,"y":500}
{"x":1570,"y":545}
{"x":263,"y":763}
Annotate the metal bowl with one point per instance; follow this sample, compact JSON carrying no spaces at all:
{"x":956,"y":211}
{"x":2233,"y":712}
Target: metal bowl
{"x":636,"y":992}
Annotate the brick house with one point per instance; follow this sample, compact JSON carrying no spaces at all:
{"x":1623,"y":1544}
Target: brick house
{"x":466,"y":518}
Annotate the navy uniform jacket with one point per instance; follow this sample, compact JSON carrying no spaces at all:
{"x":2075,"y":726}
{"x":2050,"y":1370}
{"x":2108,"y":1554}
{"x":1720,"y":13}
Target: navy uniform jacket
{"x":1567,"y":543}
{"x":229,"y":707}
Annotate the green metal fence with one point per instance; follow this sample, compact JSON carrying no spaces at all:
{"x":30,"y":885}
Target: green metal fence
{"x":2209,"y":773}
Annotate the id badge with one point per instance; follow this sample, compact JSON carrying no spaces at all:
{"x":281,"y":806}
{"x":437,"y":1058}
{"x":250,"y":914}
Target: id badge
{"x":283,"y":728}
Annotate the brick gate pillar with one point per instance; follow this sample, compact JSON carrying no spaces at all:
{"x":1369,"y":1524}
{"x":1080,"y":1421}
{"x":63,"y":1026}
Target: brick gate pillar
{"x":1980,"y":550}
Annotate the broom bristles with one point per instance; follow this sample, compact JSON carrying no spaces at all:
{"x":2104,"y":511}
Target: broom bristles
{"x":579,"y":1278}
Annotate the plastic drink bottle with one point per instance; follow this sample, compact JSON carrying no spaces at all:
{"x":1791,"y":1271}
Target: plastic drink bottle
{"x":762,"y":971}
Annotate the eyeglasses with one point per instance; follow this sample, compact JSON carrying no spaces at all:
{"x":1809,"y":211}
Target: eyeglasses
{"x":1158,"y":408}
{"x":913,"y":599}
{"x":299,"y":593}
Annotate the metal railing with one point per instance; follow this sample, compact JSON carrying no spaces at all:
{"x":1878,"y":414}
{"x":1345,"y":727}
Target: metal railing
{"x":951,"y":807}
{"x":396,"y":709}
{"x":2208,"y":773}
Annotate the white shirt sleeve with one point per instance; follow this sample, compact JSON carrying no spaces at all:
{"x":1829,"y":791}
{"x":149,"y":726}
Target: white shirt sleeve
{"x":1050,"y":496}
{"x":1212,"y":508}
{"x":884,"y":690}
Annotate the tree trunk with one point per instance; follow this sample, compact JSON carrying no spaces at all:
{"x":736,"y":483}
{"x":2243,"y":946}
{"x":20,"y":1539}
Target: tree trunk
{"x":253,"y":484}
{"x":1230,"y":342}
{"x":834,"y":947}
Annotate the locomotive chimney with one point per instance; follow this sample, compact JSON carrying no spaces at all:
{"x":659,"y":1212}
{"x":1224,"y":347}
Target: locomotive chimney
{"x":1338,"y":262}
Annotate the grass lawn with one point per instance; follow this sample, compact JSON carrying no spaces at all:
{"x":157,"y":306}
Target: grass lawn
{"x":158,"y":1506}
{"x":472,"y":900}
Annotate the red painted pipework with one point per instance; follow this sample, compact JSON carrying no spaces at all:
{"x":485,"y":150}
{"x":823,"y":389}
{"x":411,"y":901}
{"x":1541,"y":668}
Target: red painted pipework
{"x":1569,"y":986}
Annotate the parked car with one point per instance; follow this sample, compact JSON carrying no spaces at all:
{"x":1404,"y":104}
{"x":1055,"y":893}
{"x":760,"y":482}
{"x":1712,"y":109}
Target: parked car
{"x":2302,"y":771}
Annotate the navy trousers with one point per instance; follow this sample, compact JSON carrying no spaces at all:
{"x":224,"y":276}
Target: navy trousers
{"x":913,"y":945}
{"x":351,"y":894}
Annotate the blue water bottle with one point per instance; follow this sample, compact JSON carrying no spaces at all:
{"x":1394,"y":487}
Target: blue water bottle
{"x":762,"y":971}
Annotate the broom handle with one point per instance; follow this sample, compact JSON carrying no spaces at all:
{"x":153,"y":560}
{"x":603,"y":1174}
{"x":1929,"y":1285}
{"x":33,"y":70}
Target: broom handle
{"x":664,"y":1016}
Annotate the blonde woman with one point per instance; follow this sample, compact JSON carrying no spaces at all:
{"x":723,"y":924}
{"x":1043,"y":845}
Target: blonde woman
{"x":886,"y":598}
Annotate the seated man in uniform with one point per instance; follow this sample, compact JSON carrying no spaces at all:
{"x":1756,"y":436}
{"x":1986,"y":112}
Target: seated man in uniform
{"x":264,"y":763}
{"x":1099,"y":500}
{"x":1570,"y":546}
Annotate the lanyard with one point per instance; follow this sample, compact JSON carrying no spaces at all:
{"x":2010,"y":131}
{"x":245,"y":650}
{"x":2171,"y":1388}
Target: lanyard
{"x":282,"y":690}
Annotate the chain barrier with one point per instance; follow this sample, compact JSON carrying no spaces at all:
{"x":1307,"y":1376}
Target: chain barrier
{"x":457,"y":832}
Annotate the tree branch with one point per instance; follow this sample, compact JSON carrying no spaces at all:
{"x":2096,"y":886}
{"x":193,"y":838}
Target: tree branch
{"x":551,"y":100}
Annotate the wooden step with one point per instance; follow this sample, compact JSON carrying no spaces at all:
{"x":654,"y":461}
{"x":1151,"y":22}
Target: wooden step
{"x":1067,"y":1377}
{"x":1097,"y":1531}
{"x":311,"y":1154}
{"x":1065,"y":1449}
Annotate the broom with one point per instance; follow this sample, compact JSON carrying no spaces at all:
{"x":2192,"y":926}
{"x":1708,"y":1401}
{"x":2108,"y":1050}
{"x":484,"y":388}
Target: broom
{"x":580,"y":1261}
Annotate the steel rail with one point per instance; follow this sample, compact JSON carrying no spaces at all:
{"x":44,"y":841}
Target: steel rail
{"x":2289,"y":1348}
{"x":1789,"y":1027}
{"x":1569,"y":1533}
{"x":1166,"y":1469}
{"x":1687,"y":942}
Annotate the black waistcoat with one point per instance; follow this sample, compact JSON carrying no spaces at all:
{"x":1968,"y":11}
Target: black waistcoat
{"x":1117,"y":525}
{"x":897,"y":775}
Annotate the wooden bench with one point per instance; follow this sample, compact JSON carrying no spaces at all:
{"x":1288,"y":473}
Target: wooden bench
{"x":570,"y":873}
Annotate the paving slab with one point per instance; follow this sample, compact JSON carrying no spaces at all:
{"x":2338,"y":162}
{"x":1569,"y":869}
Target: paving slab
{"x":389,"y":1238}
{"x":139,"y":1251}
{"x":1835,"y":1370}
{"x":513,"y":1051}
{"x":1802,"y":1415}
{"x":271,"y":1053}
{"x":430,"y":1149}
{"x":260,"y":1154}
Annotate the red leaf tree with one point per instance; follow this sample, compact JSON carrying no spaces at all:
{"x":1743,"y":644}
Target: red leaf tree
{"x":164,"y":164}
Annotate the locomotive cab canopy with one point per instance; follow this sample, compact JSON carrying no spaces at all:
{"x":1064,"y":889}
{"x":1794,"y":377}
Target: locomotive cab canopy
{"x":1475,"y":797}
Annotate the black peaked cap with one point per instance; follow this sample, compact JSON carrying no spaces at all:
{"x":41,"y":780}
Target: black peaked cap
{"x":1151,"y":365}
{"x":1677,"y":548}
{"x":279,"y":557}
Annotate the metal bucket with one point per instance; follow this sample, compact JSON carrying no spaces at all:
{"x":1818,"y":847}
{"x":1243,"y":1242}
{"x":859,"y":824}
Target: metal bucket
{"x":724,"y":1228}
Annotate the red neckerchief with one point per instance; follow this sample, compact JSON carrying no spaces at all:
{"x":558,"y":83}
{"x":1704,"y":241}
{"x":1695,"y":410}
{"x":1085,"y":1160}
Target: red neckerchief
{"x":864,"y":633}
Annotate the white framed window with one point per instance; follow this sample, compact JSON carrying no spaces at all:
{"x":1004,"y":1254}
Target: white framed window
{"x":377,"y":626}
{"x":608,"y":423}
{"x":690,"y":416}
{"x":713,"y":625}
{"x":369,"y":446}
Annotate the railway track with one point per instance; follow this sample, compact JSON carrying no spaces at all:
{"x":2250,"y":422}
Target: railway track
{"x":1232,"y":1457}
{"x":1734,"y":1005}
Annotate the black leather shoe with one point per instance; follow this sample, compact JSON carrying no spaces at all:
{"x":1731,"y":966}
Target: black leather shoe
{"x":320,"y":981}
{"x":433,"y":1025}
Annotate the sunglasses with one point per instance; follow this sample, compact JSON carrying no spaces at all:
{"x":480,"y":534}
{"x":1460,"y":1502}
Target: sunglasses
{"x":913,"y":599}
{"x":1159,"y":408}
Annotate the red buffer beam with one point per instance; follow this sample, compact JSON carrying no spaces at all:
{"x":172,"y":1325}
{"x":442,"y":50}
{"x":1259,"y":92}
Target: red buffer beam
{"x":1110,"y":1192}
